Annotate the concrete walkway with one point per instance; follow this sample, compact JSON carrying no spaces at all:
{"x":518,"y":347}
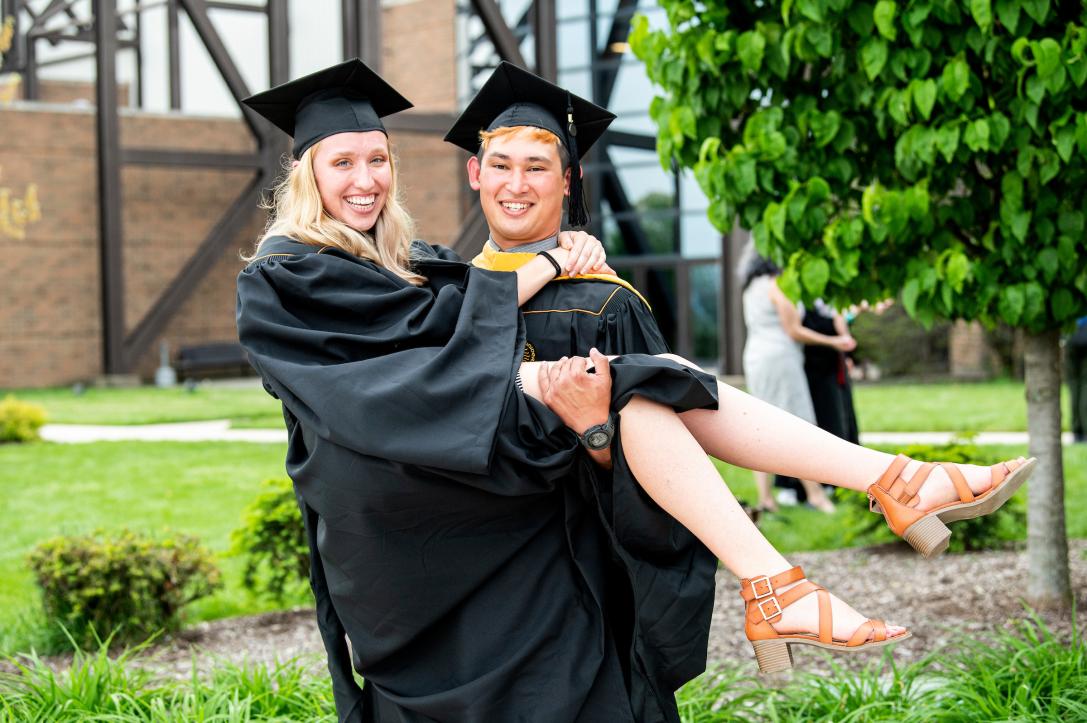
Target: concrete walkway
{"x":213,"y":431}
{"x":221,"y":431}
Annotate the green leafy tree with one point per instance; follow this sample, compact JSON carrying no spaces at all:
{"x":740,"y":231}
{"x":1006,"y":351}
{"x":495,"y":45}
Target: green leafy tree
{"x":932,"y":149}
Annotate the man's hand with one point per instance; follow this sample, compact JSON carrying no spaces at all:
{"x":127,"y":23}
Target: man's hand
{"x":586,"y":253}
{"x":580,"y":399}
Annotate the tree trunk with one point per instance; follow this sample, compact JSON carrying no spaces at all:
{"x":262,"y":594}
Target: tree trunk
{"x":1047,"y":542}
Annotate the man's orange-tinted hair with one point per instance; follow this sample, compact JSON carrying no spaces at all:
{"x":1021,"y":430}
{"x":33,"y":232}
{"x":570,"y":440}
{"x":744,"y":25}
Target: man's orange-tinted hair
{"x":531,"y":133}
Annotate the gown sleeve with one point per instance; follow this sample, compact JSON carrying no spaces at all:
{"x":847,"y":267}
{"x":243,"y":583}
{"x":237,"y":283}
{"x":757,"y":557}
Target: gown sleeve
{"x":383,"y":368}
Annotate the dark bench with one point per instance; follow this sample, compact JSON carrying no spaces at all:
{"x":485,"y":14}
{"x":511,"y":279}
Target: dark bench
{"x":224,"y":358}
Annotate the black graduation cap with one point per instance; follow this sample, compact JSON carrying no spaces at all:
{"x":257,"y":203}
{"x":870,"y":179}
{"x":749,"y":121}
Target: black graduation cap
{"x":514,"y":97}
{"x":343,"y":98}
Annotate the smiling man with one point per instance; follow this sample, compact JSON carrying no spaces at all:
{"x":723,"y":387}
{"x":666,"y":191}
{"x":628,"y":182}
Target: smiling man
{"x":651,"y":578}
{"x":528,"y":137}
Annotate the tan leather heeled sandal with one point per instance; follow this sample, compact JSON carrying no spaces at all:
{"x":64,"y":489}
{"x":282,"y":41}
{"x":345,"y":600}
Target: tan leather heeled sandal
{"x":764,"y":605}
{"x":896,"y":499}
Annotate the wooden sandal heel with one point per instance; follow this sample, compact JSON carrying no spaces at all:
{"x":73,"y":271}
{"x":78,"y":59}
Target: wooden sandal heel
{"x":773,"y":656}
{"x":927,"y":532}
{"x":765,"y":601}
{"x":929,"y":536}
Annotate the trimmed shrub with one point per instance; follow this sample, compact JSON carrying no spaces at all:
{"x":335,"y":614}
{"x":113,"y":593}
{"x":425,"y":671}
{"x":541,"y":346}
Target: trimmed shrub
{"x":882,"y":337}
{"x":272,"y":539}
{"x":126,"y":584}
{"x":20,"y":421}
{"x":989,"y":532}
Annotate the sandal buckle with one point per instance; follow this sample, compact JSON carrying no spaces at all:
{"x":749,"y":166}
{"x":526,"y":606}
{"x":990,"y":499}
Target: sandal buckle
{"x":776,"y":609}
{"x":764,"y":580}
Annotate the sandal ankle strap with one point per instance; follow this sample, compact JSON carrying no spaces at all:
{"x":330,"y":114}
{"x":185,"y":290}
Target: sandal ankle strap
{"x":769,"y":608}
{"x":757,"y":588}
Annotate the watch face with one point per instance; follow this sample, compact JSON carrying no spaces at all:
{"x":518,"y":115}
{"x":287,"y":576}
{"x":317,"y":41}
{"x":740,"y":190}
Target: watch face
{"x":598,"y":440}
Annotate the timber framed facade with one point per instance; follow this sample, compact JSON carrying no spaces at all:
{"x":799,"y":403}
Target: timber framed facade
{"x":134,"y":217}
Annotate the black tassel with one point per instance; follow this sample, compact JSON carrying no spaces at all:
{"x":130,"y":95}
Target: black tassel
{"x":577,"y":211}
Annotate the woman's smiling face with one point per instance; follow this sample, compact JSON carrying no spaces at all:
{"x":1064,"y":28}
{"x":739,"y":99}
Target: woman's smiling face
{"x":353,"y":173}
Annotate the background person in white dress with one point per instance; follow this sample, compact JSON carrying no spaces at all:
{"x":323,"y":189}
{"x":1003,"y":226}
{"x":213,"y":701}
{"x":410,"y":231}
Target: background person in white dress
{"x":774,"y":357}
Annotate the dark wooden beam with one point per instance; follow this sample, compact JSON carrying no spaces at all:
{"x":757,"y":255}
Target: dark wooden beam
{"x":110,"y":232}
{"x":239,"y":7}
{"x":191,"y":159}
{"x":209,"y":253}
{"x":620,"y":29}
{"x":198,"y":15}
{"x":173,"y":53}
{"x":279,"y":42}
{"x":630,"y":140}
{"x":505,"y":43}
{"x":545,"y":27}
{"x":370,"y":33}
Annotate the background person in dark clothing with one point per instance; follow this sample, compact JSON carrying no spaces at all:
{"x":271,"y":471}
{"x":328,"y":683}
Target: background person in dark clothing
{"x":1075,"y":371}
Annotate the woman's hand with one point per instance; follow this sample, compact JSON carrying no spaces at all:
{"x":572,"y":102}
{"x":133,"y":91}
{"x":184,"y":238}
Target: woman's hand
{"x":586,"y":253}
{"x":843,"y":343}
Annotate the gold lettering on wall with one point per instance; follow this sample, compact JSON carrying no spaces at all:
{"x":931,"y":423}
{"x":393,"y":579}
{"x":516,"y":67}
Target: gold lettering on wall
{"x":7,"y":88}
{"x":17,"y":211}
{"x":7,"y":34}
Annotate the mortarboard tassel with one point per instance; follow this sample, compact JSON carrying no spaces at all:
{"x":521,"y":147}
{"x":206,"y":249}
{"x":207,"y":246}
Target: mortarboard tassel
{"x":577,"y":211}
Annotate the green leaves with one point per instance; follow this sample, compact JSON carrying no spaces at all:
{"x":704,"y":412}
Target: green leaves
{"x":924,"y":96}
{"x":955,"y":79}
{"x":682,"y":124}
{"x":814,"y":274}
{"x":750,"y":48}
{"x":884,"y":16}
{"x":874,"y":57}
{"x":947,"y":141}
{"x":1037,"y":9}
{"x":1007,"y":11}
{"x":935,"y":147}
{"x":976,"y":136}
{"x":1011,"y":304}
{"x":982,"y":12}
{"x":1065,"y":141}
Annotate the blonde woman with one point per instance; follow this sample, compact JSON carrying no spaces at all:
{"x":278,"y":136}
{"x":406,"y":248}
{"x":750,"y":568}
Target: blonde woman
{"x":456,"y":539}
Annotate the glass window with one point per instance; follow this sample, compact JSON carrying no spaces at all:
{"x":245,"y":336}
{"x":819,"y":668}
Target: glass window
{"x":699,"y":237}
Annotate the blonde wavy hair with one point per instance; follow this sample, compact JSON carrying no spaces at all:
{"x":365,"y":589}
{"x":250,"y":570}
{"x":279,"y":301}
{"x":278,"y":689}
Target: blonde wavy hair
{"x":297,"y":212}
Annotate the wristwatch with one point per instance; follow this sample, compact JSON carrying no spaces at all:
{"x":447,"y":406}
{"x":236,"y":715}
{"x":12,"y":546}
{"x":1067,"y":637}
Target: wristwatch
{"x":598,"y":436}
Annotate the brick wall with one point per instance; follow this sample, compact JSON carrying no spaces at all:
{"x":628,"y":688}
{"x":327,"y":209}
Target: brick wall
{"x":50,"y":306}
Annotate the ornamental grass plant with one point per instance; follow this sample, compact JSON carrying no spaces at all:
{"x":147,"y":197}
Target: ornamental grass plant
{"x":1021,"y":674}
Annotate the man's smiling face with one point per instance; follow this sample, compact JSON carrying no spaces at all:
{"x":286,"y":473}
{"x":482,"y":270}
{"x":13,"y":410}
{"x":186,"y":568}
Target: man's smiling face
{"x":521,"y":186}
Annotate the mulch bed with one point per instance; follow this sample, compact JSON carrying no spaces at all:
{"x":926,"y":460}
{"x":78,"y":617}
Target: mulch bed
{"x":936,"y":599}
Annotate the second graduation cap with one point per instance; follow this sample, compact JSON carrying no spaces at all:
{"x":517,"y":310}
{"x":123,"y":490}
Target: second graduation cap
{"x":514,"y":97}
{"x":343,"y":98}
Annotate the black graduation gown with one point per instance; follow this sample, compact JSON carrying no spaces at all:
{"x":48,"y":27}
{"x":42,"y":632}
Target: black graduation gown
{"x":568,"y":317}
{"x":457,"y":547}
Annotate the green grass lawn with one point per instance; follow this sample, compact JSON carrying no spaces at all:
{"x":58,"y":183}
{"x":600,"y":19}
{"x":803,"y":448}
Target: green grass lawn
{"x":889,"y":407}
{"x":997,"y":406}
{"x":55,"y":489}
{"x":244,"y":406}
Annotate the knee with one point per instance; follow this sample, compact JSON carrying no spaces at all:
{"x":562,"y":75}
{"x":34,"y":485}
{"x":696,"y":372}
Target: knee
{"x":679,"y":360}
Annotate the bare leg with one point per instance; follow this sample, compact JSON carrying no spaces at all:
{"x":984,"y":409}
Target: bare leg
{"x":766,"y":492}
{"x":817,"y":496}
{"x":748,"y":432}
{"x":672,"y":468}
